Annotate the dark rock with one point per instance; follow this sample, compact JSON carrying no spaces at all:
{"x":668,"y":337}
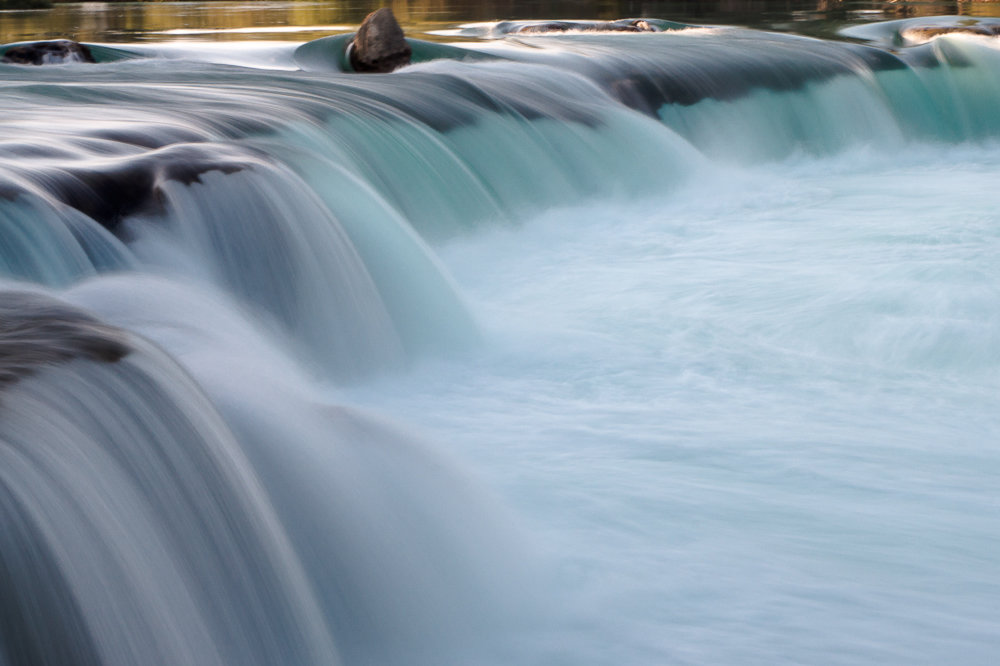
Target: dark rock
{"x":47,"y":53}
{"x":542,"y":28}
{"x":643,"y":25}
{"x":38,"y":331}
{"x":623,"y":25}
{"x":112,"y":190}
{"x":379,"y":46}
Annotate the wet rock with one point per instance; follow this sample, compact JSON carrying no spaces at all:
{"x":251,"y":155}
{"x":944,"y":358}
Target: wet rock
{"x":115,"y":189}
{"x":925,"y":33}
{"x":56,"y":52}
{"x":38,"y":331}
{"x":622,"y":25}
{"x":379,"y":47}
{"x":643,"y":25}
{"x":542,"y":28}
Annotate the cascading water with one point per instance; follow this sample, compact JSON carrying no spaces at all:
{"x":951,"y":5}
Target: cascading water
{"x":673,"y":347}
{"x":135,"y":530}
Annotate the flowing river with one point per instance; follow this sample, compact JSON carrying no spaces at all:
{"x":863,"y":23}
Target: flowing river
{"x":673,"y":347}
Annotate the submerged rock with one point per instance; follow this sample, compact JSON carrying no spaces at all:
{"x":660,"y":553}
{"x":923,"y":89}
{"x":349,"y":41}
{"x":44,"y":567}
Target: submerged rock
{"x":379,"y":47}
{"x":622,"y":25}
{"x":58,"y":51}
{"x":37,"y":331}
{"x":110,"y":190}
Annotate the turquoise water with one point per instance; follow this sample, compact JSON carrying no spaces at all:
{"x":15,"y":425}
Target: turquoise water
{"x":581,"y":349}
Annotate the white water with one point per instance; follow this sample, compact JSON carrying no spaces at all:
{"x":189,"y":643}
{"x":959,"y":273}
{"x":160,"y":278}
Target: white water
{"x":730,"y":401}
{"x":755,"y":421}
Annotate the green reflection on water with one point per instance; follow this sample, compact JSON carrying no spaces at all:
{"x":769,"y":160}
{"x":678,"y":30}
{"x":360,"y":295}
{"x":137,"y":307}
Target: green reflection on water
{"x":304,"y":20}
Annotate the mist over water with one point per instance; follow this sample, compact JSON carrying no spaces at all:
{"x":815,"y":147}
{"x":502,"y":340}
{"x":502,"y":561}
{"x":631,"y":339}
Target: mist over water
{"x":678,"y":347}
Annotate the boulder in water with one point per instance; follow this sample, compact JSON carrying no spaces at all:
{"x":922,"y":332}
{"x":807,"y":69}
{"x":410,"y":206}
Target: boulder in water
{"x":58,"y":51}
{"x":379,"y":47}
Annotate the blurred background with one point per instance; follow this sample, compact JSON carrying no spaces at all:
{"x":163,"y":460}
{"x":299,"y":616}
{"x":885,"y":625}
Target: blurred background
{"x":304,"y":20}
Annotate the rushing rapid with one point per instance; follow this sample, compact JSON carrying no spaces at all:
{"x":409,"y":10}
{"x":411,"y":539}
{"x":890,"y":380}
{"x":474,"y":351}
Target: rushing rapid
{"x":562,"y":346}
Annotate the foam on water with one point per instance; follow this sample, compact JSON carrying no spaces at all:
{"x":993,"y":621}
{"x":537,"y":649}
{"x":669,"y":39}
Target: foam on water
{"x":755,"y":420}
{"x":410,"y":562}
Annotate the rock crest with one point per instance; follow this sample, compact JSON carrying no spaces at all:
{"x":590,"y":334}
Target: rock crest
{"x":622,"y":25}
{"x":924,"y":33}
{"x":379,"y":47}
{"x":38,"y":331}
{"x":58,"y":51}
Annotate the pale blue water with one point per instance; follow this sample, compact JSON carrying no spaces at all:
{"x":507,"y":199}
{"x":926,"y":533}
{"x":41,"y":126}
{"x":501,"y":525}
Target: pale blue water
{"x":755,"y":420}
{"x":631,"y":349}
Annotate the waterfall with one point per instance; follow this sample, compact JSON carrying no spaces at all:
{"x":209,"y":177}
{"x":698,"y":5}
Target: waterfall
{"x":135,"y":530}
{"x":578,"y":348}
